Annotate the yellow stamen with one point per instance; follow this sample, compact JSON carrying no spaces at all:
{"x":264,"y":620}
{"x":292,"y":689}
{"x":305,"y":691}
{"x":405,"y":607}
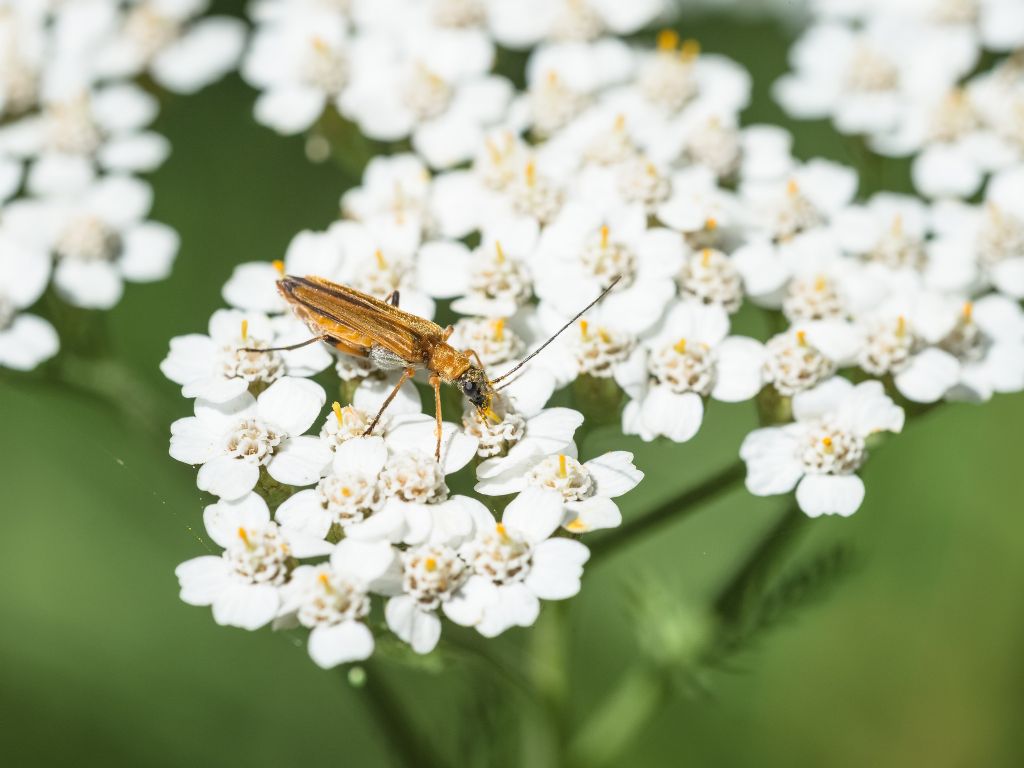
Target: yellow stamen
{"x":801,"y":338}
{"x":502,"y":531}
{"x":901,"y":325}
{"x":668,"y":40}
{"x":552,"y":78}
{"x":827,"y":442}
{"x":324,"y":579}
{"x":245,"y":330}
{"x":577,"y":525}
{"x":498,"y":326}
{"x":561,"y":466}
{"x":320,"y":45}
{"x":279,"y":266}
{"x":604,"y":335}
{"x":711,"y":224}
{"x":490,"y":414}
{"x":584,"y":325}
{"x":792,"y":188}
{"x":531,"y":174}
{"x":493,"y":151}
{"x":620,"y":122}
{"x":244,"y":536}
{"x":680,"y":346}
{"x":690,"y":50}
{"x":968,"y":311}
{"x":346,"y":491}
{"x":820,"y":283}
{"x":652,"y":171}
{"x":501,"y":253}
{"x":430,"y":564}
{"x":604,"y":236}
{"x":379,"y":256}
{"x":897,"y":224}
{"x":705,"y":258}
{"x":336,"y":407}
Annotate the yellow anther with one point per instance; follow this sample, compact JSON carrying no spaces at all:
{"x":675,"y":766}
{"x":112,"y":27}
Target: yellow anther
{"x":967,"y":311}
{"x":604,"y":236}
{"x":531,"y":174}
{"x":320,"y":45}
{"x":705,"y":257}
{"x":651,"y":170}
{"x":897,"y":224}
{"x":620,"y":122}
{"x":379,"y":256}
{"x":604,"y":335}
{"x":820,"y":283}
{"x":668,"y":40}
{"x":498,"y":326}
{"x":336,"y":407}
{"x":346,"y":491}
{"x":826,"y":441}
{"x":325,"y":579}
{"x":690,"y":50}
{"x":430,"y":564}
{"x":493,"y":151}
{"x":901,"y":325}
{"x":244,"y":536}
{"x":584,"y":325}
{"x":680,"y":346}
{"x":711,"y":224}
{"x":500,"y":252}
{"x":245,"y":330}
{"x":801,"y":338}
{"x":278,"y":266}
{"x":490,"y":414}
{"x":577,"y":525}
{"x":561,"y":466}
{"x":501,"y":530}
{"x":552,"y":78}
{"x":792,"y":188}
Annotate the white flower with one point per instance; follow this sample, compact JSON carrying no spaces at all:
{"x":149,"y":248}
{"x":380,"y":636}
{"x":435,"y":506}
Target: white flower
{"x":516,"y":438}
{"x":820,"y":452}
{"x":516,"y":563}
{"x":232,"y":440}
{"x":244,"y":584}
{"x":524,"y":23}
{"x":100,"y":239}
{"x":690,"y":358}
{"x":988,"y":342}
{"x":587,"y":489}
{"x":26,"y":339}
{"x":395,"y":188}
{"x":217,"y":367}
{"x":332,"y":600}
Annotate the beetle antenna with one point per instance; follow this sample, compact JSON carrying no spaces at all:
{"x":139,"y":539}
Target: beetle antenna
{"x":559,"y":332}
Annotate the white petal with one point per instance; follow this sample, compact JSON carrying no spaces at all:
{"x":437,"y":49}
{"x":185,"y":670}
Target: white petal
{"x":291,"y":404}
{"x":204,"y":54}
{"x":928,"y":377}
{"x":821,"y":400}
{"x":676,"y":416}
{"x":228,"y":477}
{"x":249,"y":606}
{"x":556,"y":569}
{"x":363,"y":560}
{"x":593,"y":514}
{"x":149,"y":251}
{"x":773,"y":466}
{"x":340,"y":643}
{"x":534,"y":514}
{"x":290,"y":110}
{"x":614,"y":473}
{"x":303,"y":512}
{"x":299,"y":460}
{"x":202,"y":579}
{"x":363,"y":455}
{"x":92,"y":285}
{"x":27,"y":342}
{"x":738,"y":369}
{"x":223,"y":519}
{"x":419,"y":629}
{"x":830,"y":495}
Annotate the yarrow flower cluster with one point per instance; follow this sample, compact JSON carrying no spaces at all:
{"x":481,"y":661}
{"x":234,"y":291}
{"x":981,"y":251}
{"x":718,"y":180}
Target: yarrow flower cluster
{"x":905,"y":74}
{"x":614,"y":167}
{"x":75,"y":119}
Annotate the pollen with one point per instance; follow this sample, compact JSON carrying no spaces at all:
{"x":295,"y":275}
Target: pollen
{"x":325,"y":580}
{"x":820,"y":283}
{"x":668,"y":40}
{"x":967,"y":311}
{"x":531,"y":174}
{"x":336,"y":407}
{"x":604,"y":236}
{"x":278,"y":266}
{"x":493,"y":151}
{"x":801,"y":338}
{"x":498,"y":326}
{"x":501,"y":530}
{"x":500,"y":252}
{"x":346,"y":491}
{"x":620,"y":123}
{"x":584,"y":325}
{"x":244,"y":536}
{"x":680,"y":346}
{"x":705,"y":258}
{"x":430,"y":564}
{"x":561,"y":466}
{"x":690,"y":50}
{"x":827,"y":443}
{"x":792,"y":188}
{"x":901,"y":325}
{"x":379,"y":256}
{"x":320,"y":44}
{"x":552,"y":78}
{"x":245,"y":330}
{"x":577,"y":525}
{"x":604,"y":335}
{"x":711,"y":224}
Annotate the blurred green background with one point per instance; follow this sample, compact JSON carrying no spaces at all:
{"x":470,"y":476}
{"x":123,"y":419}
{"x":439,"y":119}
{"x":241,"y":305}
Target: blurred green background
{"x":917,"y":658}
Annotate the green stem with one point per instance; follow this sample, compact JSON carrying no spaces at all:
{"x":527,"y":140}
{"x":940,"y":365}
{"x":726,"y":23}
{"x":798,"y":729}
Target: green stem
{"x":546,"y":727}
{"x":636,"y":699}
{"x":395,"y":725}
{"x":676,"y":508}
{"x":749,"y":580}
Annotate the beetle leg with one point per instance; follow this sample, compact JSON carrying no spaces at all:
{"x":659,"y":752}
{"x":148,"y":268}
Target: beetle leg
{"x":392,"y":298}
{"x":475,"y":356}
{"x":447,"y":332}
{"x":406,"y":375}
{"x":435,"y":382}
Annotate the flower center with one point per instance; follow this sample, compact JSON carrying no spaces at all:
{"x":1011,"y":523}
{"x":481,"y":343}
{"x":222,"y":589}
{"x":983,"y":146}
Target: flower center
{"x":345,"y":423}
{"x":612,"y":147}
{"x":898,"y":249}
{"x":491,"y":339}
{"x":325,"y":67}
{"x":667,"y":79}
{"x":349,"y":497}
{"x":563,"y":474}
{"x":495,"y":438}
{"x":954,"y":117}
{"x":502,"y":162}
{"x":887,"y":347}
{"x":88,"y":238}
{"x":684,"y":366}
{"x":536,"y":195}
{"x":829,"y":450}
{"x":793,"y":213}
{"x":332,"y":599}
{"x":149,"y":30}
{"x":498,"y":556}
{"x":19,"y":81}
{"x":597,"y":351}
{"x":70,"y":127}
{"x":955,"y":11}
{"x":710,"y":277}
{"x":966,"y":341}
{"x":640,"y":181}
{"x":869,"y":70}
{"x":812,"y":299}
{"x":253,"y":441}
{"x":793,"y":365}
{"x":430,"y":574}
{"x":492,"y":275}
{"x":260,"y":555}
{"x":1001,"y":236}
{"x":414,"y":477}
{"x":605,"y":258}
{"x":459,"y":14}
{"x":426,"y":93}
{"x":575,"y":20}
{"x":553,"y":104}
{"x":380,"y":275}
{"x":715,"y":146}
{"x":236,"y":362}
